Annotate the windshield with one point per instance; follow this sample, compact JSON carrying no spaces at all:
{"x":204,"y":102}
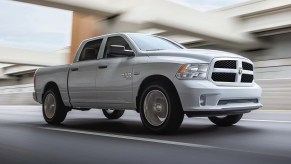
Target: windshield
{"x":153,"y":43}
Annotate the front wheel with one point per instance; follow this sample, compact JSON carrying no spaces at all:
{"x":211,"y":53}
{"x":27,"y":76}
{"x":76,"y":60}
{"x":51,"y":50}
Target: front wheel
{"x":160,"y":109}
{"x":226,"y":120}
{"x":112,"y":114}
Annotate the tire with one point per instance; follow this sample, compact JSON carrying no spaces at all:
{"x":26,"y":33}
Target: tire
{"x":114,"y":114}
{"x":160,"y":108}
{"x":53,"y":109}
{"x":227,"y":120}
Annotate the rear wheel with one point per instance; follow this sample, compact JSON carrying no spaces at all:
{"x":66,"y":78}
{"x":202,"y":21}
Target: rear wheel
{"x":160,"y":110}
{"x":226,"y":120}
{"x":112,"y":114}
{"x":53,"y":109}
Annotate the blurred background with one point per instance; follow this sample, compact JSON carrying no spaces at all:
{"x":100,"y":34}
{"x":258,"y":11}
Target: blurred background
{"x":41,"y":33}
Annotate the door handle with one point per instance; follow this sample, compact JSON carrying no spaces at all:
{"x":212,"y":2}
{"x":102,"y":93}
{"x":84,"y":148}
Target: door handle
{"x":102,"y":66}
{"x":74,"y":69}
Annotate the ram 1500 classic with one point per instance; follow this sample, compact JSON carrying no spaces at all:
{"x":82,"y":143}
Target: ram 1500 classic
{"x":157,"y":77}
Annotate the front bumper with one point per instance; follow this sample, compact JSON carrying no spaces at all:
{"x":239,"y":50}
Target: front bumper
{"x":205,"y":98}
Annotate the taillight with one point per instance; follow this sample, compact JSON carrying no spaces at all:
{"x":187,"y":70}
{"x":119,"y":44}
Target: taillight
{"x":34,"y":79}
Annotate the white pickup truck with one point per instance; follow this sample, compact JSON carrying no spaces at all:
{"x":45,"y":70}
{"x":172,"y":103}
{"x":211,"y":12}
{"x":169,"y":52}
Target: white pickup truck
{"x":157,"y":77}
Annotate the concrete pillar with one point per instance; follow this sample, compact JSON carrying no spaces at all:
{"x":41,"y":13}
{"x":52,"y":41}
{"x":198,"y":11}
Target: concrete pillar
{"x":84,"y":27}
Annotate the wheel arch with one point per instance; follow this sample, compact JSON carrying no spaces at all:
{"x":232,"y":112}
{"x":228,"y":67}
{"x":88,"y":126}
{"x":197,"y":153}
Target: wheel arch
{"x":50,"y":84}
{"x":153,"y":78}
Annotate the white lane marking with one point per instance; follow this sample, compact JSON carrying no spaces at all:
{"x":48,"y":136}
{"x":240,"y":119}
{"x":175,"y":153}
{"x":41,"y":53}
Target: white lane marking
{"x":132,"y":138}
{"x":157,"y":141}
{"x":273,"y":121}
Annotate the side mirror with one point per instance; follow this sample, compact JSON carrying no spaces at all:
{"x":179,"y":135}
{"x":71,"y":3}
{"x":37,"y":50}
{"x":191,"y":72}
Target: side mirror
{"x":118,"y":50}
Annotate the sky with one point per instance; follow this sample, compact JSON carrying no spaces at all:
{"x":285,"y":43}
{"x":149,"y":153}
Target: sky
{"x":205,"y":5}
{"x":33,"y":27}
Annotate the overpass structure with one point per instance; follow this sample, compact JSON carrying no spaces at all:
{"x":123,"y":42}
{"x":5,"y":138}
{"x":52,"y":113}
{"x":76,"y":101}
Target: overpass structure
{"x":257,"y":29}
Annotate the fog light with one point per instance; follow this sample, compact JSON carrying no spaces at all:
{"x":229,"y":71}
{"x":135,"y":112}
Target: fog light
{"x":202,"y":100}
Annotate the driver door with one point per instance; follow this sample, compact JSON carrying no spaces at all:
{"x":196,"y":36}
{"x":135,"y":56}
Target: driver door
{"x":114,"y":77}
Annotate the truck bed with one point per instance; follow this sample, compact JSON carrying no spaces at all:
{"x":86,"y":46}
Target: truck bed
{"x":58,"y":74}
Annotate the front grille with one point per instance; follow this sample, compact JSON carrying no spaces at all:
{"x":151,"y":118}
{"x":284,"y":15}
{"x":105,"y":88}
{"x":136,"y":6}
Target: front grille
{"x":231,"y":64}
{"x":232,"y":70}
{"x":246,"y":78}
{"x":223,"y":77}
{"x":247,"y":66}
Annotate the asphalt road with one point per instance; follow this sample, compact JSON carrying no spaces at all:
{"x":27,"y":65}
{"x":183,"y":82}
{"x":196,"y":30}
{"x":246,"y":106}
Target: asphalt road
{"x":87,"y":137}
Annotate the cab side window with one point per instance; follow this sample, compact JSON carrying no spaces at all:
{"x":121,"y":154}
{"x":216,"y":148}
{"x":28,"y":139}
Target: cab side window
{"x":115,"y":40}
{"x":90,"y":50}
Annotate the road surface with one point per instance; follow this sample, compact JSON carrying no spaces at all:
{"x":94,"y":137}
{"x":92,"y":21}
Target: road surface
{"x":88,"y":137}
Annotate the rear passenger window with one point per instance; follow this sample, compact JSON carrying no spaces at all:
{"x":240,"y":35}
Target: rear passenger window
{"x":90,"y":50}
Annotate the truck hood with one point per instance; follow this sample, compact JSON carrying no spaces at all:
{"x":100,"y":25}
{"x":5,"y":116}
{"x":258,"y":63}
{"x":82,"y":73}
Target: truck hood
{"x":203,"y":55}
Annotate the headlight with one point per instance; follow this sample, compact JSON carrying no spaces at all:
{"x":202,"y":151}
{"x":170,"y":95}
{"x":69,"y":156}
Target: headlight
{"x":193,"y":71}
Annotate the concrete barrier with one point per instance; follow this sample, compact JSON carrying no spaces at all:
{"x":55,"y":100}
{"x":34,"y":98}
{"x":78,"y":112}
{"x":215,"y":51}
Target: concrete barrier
{"x":276,"y":94}
{"x":17,"y":95}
